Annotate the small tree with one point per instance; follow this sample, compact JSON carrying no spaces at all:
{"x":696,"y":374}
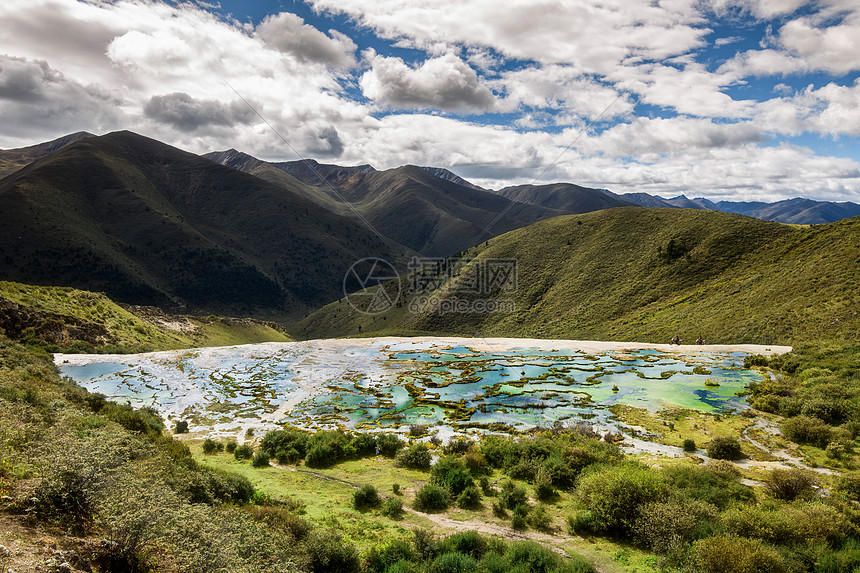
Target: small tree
{"x":470,"y":498}
{"x":210,"y":446}
{"x":689,"y":445}
{"x":181,"y":427}
{"x":393,"y":508}
{"x":431,"y":497}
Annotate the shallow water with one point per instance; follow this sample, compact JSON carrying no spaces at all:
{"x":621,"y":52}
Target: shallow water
{"x":370,"y":385}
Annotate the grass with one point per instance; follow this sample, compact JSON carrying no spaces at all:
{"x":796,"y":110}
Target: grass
{"x":63,"y":319}
{"x":601,"y":276}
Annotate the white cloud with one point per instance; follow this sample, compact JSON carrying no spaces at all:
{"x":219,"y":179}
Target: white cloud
{"x":594,"y":36}
{"x":291,"y":35}
{"x":446,"y":83}
{"x":833,"y":48}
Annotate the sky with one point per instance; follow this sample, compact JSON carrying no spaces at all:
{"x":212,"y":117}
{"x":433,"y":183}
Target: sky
{"x":755,"y":100}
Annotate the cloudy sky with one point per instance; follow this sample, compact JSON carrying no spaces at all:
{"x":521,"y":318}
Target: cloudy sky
{"x":726,"y":99}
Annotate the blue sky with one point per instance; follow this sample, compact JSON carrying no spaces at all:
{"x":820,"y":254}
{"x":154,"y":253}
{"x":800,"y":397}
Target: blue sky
{"x":726,"y":99}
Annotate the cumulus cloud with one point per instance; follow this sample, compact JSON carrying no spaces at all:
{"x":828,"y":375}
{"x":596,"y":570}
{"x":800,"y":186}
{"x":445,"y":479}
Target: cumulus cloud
{"x":594,"y":35}
{"x":445,"y":83}
{"x":289,"y":34}
{"x":36,"y":98}
{"x":188,"y":114}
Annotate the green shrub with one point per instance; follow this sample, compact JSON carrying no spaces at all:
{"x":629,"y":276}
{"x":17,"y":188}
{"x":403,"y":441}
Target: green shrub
{"x":286,"y":441}
{"x":730,"y":554}
{"x":417,"y":456}
{"x":581,"y":523}
{"x":499,"y":510}
{"x":181,"y":427}
{"x":512,"y":495}
{"x":529,"y":556}
{"x":288,"y":456}
{"x":451,"y":474}
{"x":663,"y":523}
{"x":789,"y":484}
{"x":717,"y":483}
{"x":806,"y":430}
{"x":725,"y":449}
{"x":519,"y":517}
{"x":787,"y":524}
{"x":614,"y":496}
{"x":689,"y":445}
{"x":544,"y":489}
{"x":431,"y":497}
{"x":849,"y":485}
{"x":388,"y":444}
{"x":395,"y":488}
{"x":243,"y":452}
{"x":453,"y":563}
{"x":470,"y":498}
{"x":261,"y":460}
{"x":393,"y":508}
{"x":210,"y":446}
{"x":540,"y":518}
{"x":365,"y":498}
{"x":469,"y":543}
{"x":328,"y":553}
{"x":364,"y":445}
{"x":425,"y":544}
{"x":381,"y":559}
{"x":231,"y":446}
{"x":325,"y":449}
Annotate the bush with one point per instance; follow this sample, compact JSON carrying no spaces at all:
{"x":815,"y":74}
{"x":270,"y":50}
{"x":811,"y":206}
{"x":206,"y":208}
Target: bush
{"x":365,"y":498}
{"x":689,"y":445}
{"x":284,"y":441}
{"x":210,"y":446}
{"x":540,"y":518}
{"x":725,"y":449}
{"x":453,"y":563}
{"x":393,"y":508}
{"x":325,"y":449}
{"x":519,"y":517}
{"x":243,"y":452}
{"x":430,"y":498}
{"x":231,"y":446}
{"x":849,"y":485}
{"x":662,"y":524}
{"x":261,"y":460}
{"x":380,"y":559}
{"x":730,"y":554}
{"x":364,"y":445}
{"x":529,"y":556}
{"x":470,"y":498}
{"x":416,"y":456}
{"x":512,"y":495}
{"x":580,"y":523}
{"x":544,"y":489}
{"x":388,"y":444}
{"x":717,"y":483}
{"x":468,"y":543}
{"x":614,"y":496}
{"x":795,"y":524}
{"x":806,"y":430}
{"x":327,"y":553}
{"x":181,"y":427}
{"x":789,"y":484}
{"x":499,"y":510}
{"x":288,"y":456}
{"x":451,"y":474}
{"x":425,"y":544}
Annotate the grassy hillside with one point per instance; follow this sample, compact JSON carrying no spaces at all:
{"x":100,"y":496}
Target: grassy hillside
{"x":150,"y":224}
{"x":649,"y":274}
{"x":66,"y":319}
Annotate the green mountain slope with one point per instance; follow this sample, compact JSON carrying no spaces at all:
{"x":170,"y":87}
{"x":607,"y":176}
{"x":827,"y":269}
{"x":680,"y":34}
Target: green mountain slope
{"x":149,"y":224}
{"x":648,"y":274}
{"x":67,"y":319}
{"x":413,"y":206}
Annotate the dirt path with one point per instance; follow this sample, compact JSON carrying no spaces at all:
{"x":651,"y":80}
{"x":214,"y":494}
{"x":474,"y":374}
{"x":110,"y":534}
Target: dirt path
{"x":786,"y":459}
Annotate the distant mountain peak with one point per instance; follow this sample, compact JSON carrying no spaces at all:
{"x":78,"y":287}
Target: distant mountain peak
{"x":447,"y":175}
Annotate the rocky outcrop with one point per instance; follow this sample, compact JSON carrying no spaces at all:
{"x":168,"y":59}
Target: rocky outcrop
{"x":17,"y":321}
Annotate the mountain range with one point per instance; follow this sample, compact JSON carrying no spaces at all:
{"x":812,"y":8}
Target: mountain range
{"x":149,"y":224}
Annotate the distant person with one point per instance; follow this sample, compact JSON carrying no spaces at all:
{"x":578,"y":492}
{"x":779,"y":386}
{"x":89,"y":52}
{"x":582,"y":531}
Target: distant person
{"x":700,"y":341}
{"x":675,"y":340}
